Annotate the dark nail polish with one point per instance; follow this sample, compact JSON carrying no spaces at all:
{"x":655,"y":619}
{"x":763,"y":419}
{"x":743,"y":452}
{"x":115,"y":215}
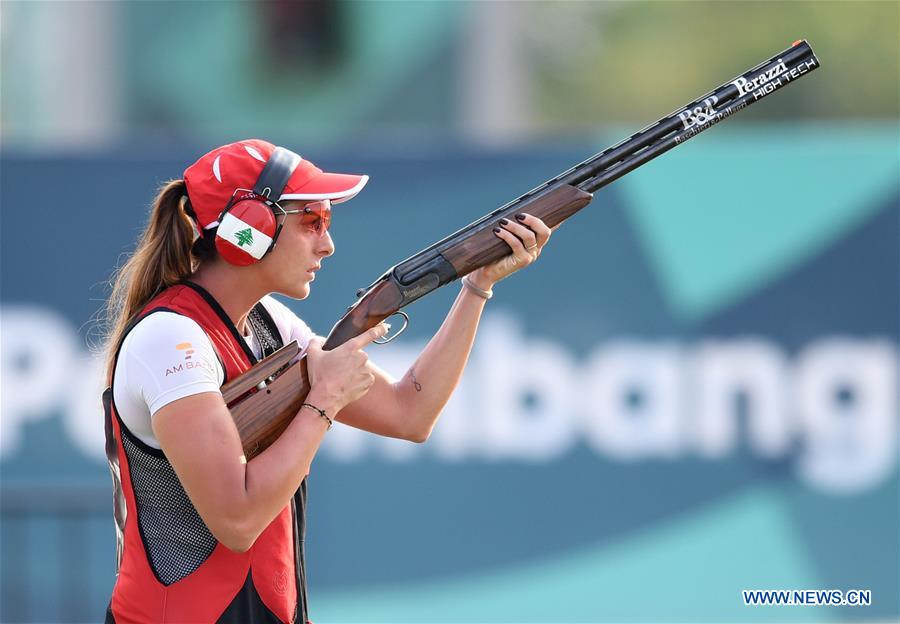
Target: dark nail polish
{"x":496,"y":230}
{"x":503,"y":221}
{"x":520,"y":217}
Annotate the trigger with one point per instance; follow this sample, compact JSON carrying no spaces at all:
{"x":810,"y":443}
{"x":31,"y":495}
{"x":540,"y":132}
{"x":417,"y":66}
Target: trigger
{"x":387,"y":339}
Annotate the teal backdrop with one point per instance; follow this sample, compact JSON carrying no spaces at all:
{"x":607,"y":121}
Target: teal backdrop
{"x":692,"y":393}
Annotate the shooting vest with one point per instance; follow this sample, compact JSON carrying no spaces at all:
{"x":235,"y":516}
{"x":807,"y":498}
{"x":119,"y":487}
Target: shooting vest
{"x":170,"y":567}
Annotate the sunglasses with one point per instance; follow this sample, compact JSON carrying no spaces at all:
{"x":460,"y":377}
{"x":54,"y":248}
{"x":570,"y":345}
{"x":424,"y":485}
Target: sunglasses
{"x":315,"y":215}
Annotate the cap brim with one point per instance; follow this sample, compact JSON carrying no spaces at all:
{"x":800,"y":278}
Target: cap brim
{"x":338,"y":187}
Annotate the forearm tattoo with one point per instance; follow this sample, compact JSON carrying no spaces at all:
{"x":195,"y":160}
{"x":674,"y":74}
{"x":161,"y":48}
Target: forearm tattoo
{"x":416,"y":383}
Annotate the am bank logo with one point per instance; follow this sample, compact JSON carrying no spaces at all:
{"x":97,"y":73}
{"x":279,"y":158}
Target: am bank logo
{"x":829,"y":407}
{"x":187,"y":348}
{"x":186,"y":363}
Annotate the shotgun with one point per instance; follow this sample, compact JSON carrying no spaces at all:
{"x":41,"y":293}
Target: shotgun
{"x":265,"y":399}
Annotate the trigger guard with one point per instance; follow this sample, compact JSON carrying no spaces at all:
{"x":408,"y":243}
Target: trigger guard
{"x":385,"y":340}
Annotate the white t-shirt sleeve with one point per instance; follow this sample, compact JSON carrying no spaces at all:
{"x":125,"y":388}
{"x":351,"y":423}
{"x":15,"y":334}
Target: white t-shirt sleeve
{"x":168,"y":357}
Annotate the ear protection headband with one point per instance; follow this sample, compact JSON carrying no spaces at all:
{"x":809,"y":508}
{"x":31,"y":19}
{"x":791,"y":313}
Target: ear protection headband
{"x":247,"y":228}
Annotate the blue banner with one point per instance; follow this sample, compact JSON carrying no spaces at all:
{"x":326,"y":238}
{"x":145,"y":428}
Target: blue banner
{"x":693,"y":393}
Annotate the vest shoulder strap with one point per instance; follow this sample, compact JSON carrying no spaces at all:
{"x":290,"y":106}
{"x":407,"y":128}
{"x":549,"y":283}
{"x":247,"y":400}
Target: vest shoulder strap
{"x":265,"y":329}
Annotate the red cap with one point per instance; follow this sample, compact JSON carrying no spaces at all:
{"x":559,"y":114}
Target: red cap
{"x":212,"y":180}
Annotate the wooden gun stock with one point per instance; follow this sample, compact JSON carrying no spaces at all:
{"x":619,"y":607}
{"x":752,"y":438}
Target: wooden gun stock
{"x":264,"y":400}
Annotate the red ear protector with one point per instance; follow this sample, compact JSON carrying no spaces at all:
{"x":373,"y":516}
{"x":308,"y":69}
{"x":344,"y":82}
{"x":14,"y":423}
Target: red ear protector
{"x":247,"y":228}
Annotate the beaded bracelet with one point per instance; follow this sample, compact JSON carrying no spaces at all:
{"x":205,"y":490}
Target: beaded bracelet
{"x":320,"y":412}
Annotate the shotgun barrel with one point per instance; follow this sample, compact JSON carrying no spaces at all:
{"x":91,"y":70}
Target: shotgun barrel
{"x":563,"y":195}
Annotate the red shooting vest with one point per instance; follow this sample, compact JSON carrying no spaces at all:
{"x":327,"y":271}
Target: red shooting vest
{"x":170,"y":567}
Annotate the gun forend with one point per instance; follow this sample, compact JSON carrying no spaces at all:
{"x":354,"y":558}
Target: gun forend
{"x":481,"y":246}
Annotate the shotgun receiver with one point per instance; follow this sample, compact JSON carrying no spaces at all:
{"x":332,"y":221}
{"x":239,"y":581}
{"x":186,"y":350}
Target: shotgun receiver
{"x":257,"y":404}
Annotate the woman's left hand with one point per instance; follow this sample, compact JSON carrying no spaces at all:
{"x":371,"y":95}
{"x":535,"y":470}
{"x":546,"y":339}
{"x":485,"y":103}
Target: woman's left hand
{"x":526,"y":236}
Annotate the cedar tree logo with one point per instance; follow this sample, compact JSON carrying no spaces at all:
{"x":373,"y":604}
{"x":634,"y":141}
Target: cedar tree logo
{"x":244,"y":237}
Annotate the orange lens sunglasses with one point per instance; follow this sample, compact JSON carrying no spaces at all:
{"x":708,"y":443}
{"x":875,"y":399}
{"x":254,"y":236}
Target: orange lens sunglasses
{"x":315,"y":215}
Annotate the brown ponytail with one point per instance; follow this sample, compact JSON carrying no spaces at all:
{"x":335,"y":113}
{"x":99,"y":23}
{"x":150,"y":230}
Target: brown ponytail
{"x":162,"y":257}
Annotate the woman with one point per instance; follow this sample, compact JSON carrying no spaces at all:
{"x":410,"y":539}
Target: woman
{"x":204,"y":535}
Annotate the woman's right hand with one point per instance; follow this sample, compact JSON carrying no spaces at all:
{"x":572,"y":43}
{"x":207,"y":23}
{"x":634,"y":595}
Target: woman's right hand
{"x":340,"y":376}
